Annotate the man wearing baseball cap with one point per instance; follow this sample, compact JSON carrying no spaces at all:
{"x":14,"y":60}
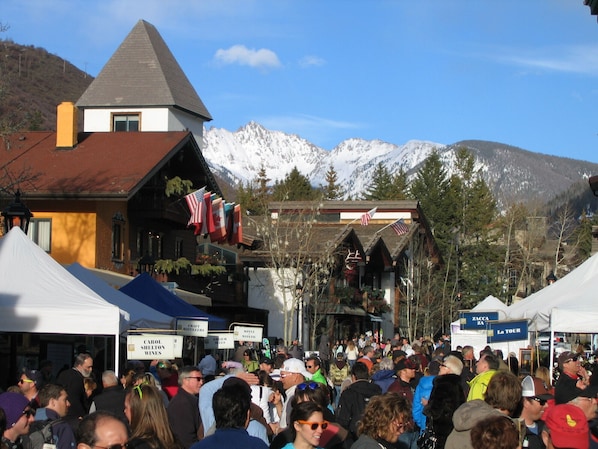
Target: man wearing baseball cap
{"x":292,"y":373}
{"x":19,"y":416}
{"x":566,"y":427}
{"x":573,"y":378}
{"x":30,"y":383}
{"x":535,"y":397}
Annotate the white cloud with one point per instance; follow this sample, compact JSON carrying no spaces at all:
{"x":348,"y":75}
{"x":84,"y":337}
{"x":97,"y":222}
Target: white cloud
{"x":572,"y":59}
{"x":239,"y":54}
{"x":311,"y":61}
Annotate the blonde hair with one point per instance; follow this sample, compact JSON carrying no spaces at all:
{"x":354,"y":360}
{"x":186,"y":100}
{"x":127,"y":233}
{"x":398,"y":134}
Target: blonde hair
{"x":543,"y":373}
{"x":149,"y":420}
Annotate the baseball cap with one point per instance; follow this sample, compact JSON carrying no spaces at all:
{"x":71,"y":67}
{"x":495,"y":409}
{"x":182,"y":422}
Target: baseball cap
{"x":568,"y":426}
{"x":295,"y":366}
{"x":398,"y":353}
{"x":566,"y":356}
{"x":404,"y":364}
{"x":266,"y":360}
{"x":534,"y":387}
{"x":35,"y":376}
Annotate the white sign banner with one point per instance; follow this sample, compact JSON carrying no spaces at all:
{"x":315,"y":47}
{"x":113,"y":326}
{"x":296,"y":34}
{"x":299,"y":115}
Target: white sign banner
{"x":194,"y":328}
{"x":219,"y":341}
{"x":246,"y":333}
{"x":154,"y":346}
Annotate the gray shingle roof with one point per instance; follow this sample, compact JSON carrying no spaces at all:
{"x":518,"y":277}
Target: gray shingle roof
{"x":143,"y":72}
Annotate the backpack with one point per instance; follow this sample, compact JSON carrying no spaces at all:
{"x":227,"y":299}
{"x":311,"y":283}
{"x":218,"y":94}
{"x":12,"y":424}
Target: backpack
{"x":40,"y":434}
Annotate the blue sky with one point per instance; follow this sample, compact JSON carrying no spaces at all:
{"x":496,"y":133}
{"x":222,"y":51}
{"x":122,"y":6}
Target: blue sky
{"x":520,"y":72}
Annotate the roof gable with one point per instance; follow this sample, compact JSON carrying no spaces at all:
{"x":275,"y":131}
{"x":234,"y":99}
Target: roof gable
{"x":143,"y":72}
{"x":101,"y":165}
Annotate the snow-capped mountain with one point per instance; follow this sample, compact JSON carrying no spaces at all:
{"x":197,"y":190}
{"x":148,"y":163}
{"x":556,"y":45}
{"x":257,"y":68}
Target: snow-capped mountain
{"x":238,"y":156}
{"x":511,"y":172}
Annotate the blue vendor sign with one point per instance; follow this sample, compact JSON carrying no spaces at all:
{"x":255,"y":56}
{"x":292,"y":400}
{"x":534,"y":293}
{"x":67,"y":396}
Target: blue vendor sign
{"x":506,"y":331}
{"x":476,"y":320}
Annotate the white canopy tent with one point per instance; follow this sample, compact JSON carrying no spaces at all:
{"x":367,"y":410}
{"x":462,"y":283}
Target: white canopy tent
{"x":478,"y":338}
{"x":568,"y":305}
{"x":39,"y":296}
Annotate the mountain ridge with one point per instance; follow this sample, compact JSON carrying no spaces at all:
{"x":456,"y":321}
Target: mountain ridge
{"x":513,"y":174}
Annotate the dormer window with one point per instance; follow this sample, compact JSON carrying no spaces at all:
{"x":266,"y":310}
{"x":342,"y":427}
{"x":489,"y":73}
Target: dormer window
{"x":125,"y":122}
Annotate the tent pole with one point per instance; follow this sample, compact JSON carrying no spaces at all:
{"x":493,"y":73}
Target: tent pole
{"x":116,"y":353}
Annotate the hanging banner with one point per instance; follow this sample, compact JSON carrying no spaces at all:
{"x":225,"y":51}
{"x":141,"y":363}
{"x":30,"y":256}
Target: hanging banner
{"x":219,"y":341}
{"x":498,"y":331}
{"x":154,"y":346}
{"x":247,"y":333}
{"x":476,"y":320}
{"x":193,"y":328}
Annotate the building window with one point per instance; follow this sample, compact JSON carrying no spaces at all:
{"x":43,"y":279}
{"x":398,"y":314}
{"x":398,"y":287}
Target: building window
{"x":40,"y":231}
{"x":118,"y":226}
{"x":178,"y":248}
{"x":149,"y":243}
{"x":125,"y":122}
{"x":223,"y":256}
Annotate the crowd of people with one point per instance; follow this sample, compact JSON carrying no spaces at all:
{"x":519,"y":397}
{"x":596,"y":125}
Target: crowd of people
{"x":353,"y":394}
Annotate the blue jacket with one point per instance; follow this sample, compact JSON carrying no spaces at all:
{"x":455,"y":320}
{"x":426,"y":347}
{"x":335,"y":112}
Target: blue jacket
{"x":230,"y":438}
{"x":423,"y":390}
{"x":384,"y":378}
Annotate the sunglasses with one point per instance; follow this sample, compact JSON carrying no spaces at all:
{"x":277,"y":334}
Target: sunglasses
{"x":139,"y":392}
{"x":114,"y":446}
{"x":307,"y":385}
{"x":539,"y":400}
{"x":22,"y":381}
{"x":197,"y":378}
{"x":573,"y":359}
{"x":314,"y":425}
{"x":309,"y":366}
{"x":28,"y":412}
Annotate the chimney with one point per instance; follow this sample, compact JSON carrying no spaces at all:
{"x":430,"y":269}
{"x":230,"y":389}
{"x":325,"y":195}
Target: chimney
{"x":66,"y":125}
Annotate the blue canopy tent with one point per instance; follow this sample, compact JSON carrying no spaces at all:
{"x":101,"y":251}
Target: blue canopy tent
{"x":142,"y":316}
{"x":146,"y":290}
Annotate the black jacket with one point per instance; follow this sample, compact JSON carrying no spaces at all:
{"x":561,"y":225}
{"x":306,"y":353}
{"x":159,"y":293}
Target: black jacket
{"x":352,"y":404}
{"x":184,"y":419}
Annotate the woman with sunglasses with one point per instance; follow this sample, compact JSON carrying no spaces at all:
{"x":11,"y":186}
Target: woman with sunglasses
{"x":317,"y":393}
{"x":385,"y":418}
{"x":307,"y":424}
{"x":147,"y":417}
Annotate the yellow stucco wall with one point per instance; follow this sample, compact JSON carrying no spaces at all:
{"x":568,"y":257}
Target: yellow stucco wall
{"x":73,"y":237}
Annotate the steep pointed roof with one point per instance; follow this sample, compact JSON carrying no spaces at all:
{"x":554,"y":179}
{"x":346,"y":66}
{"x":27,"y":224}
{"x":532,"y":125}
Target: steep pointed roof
{"x":143,"y":72}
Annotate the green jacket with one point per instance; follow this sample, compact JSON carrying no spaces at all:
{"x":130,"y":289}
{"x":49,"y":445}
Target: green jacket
{"x":319,"y":377}
{"x":479,"y":384}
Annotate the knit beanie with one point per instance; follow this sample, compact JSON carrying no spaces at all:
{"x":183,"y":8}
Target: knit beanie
{"x":13,"y":405}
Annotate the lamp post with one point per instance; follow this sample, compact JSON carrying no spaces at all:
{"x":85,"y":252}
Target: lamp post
{"x":16,"y":214}
{"x":299,"y":296}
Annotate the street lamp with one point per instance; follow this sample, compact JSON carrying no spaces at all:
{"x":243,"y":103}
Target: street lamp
{"x":16,"y":214}
{"x":299,"y":298}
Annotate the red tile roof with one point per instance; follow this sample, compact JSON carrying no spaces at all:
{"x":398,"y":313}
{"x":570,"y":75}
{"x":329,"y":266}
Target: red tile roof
{"x":101,"y":165}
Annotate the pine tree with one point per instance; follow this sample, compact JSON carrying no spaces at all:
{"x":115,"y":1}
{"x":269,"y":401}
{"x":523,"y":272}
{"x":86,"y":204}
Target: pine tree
{"x":295,"y":187}
{"x":332,"y":190}
{"x":381,"y":187}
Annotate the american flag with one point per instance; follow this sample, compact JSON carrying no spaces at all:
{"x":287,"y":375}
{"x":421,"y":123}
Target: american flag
{"x":400,"y":227}
{"x":365,"y":218}
{"x":195,"y":202}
